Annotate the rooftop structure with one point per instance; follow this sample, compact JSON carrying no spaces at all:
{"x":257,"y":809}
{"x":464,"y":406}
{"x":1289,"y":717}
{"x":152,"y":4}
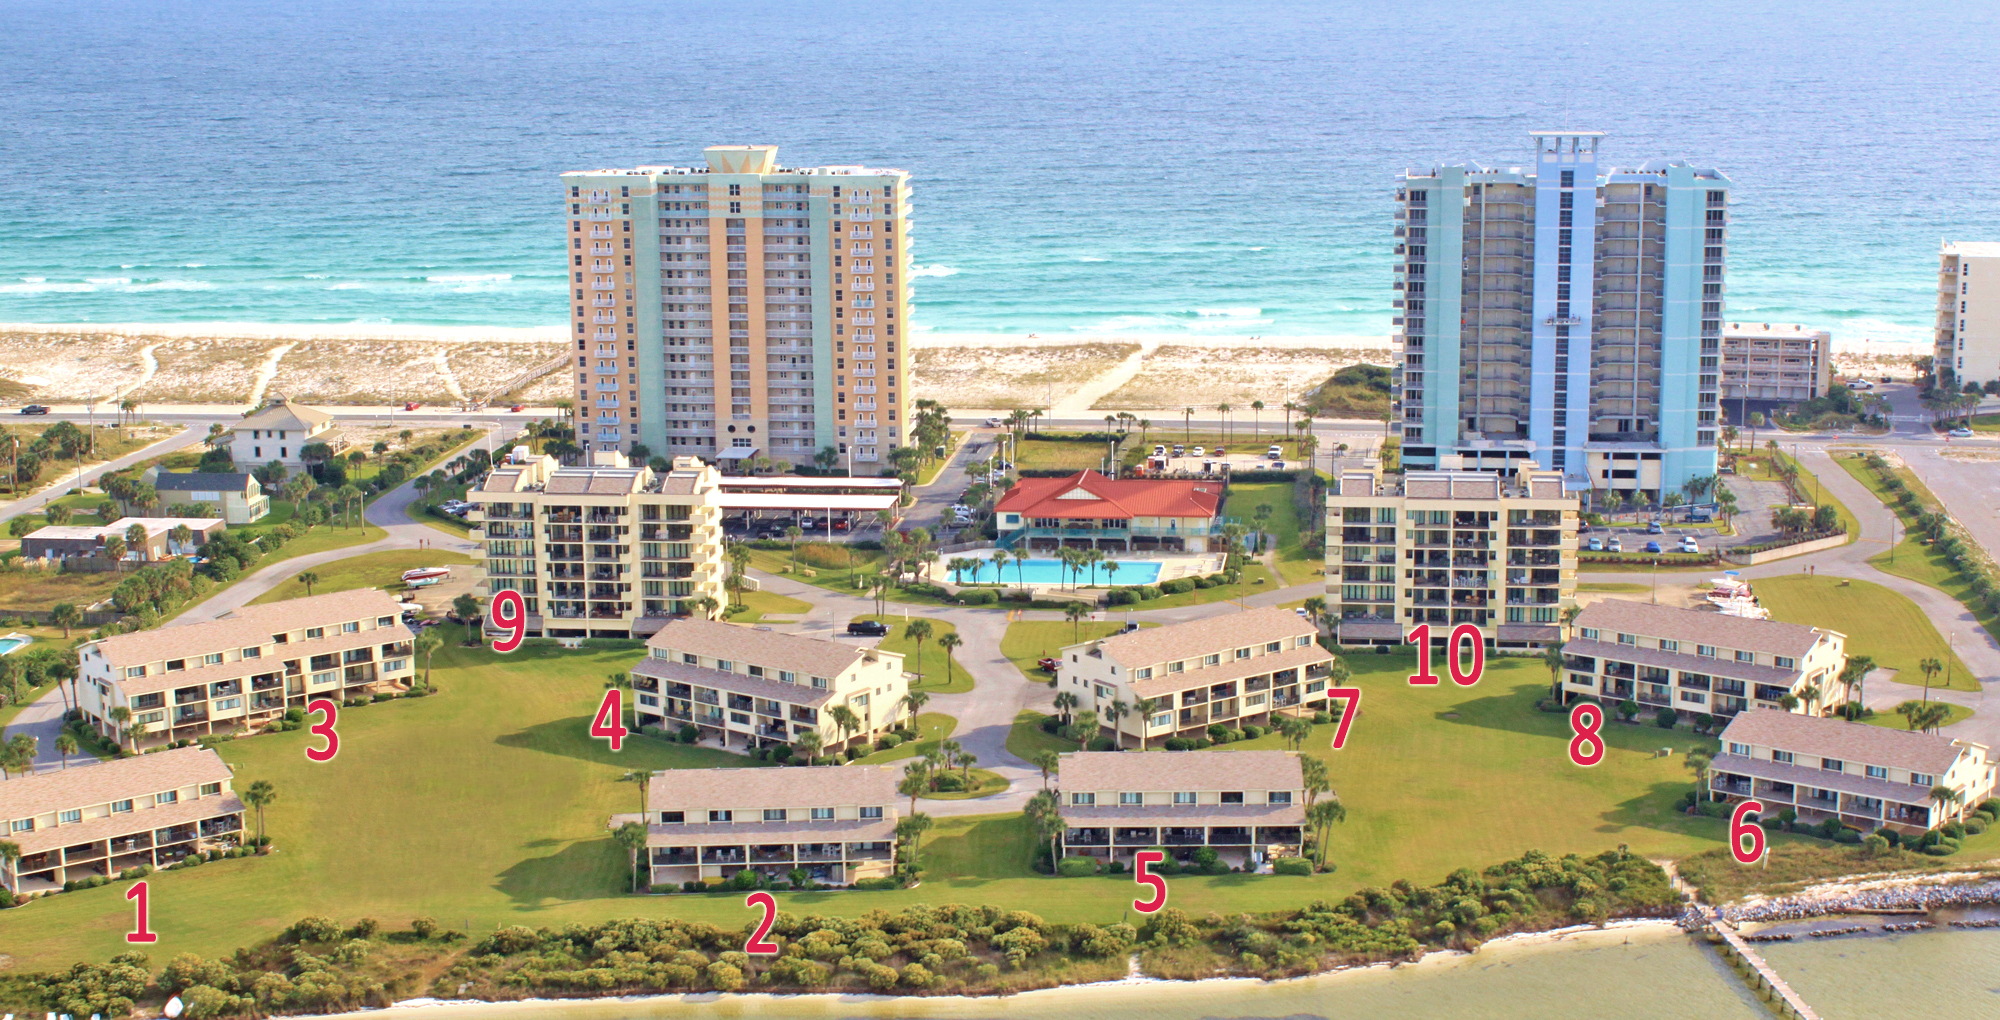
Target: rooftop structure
{"x":1700,"y":662}
{"x":836,"y":824}
{"x":1451,"y":547}
{"x":1247,"y":805}
{"x":75,"y":824}
{"x":1089,"y":510}
{"x":1865,"y":776}
{"x":741,"y":308}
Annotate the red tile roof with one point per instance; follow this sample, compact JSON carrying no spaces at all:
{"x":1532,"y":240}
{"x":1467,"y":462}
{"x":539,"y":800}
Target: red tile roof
{"x":1092,"y":495}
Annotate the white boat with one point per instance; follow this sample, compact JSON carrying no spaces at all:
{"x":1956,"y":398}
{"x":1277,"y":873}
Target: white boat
{"x":423,"y":582}
{"x":411,"y":609}
{"x":1746,"y":609}
{"x":422,"y":573}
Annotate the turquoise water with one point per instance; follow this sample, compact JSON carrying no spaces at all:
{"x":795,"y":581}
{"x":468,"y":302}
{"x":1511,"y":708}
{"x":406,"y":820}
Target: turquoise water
{"x":10,"y":644}
{"x":1166,"y":166}
{"x":1053,"y":572}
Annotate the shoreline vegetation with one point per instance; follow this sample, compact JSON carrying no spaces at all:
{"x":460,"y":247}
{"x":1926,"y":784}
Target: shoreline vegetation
{"x":319,"y":965}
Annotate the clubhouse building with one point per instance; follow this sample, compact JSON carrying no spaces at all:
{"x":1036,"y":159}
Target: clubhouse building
{"x":1250,"y":806}
{"x":836,"y":824}
{"x":1091,"y":511}
{"x":96,"y":821}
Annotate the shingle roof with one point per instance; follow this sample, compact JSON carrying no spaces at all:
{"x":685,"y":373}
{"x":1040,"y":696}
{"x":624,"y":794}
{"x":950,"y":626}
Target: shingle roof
{"x":1092,"y":495}
{"x":812,"y":656}
{"x":246,"y":626}
{"x":143,"y":820}
{"x":1673,"y":623}
{"x":286,"y":415}
{"x":1085,"y":771}
{"x":1687,"y":661}
{"x":143,"y":775}
{"x":1849,"y":742}
{"x":1820,"y":779}
{"x":754,"y":789}
{"x":839,"y":830}
{"x":738,"y":683}
{"x":1185,"y":814}
{"x":1174,"y":641}
{"x":1200,"y":676}
{"x":186,"y":481}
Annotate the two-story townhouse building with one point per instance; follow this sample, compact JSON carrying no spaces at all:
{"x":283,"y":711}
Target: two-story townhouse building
{"x":1180,"y":679}
{"x":1700,"y":662}
{"x":1866,"y":776}
{"x":838,"y":825}
{"x":1249,"y":805}
{"x":1091,"y":511}
{"x":612,"y":550}
{"x":279,"y":432}
{"x":75,"y":824}
{"x":1451,"y":547}
{"x":245,"y":668}
{"x":235,"y":496}
{"x":748,"y":687}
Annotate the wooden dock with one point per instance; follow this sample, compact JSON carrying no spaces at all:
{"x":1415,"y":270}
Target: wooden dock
{"x":1763,"y":978}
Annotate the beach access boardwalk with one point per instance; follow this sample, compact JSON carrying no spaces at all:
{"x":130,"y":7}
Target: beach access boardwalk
{"x":1764,"y":979}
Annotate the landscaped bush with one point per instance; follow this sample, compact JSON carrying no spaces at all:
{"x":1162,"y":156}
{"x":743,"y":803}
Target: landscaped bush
{"x":1178,"y":743}
{"x":1122,"y":597}
{"x":1292,"y":866}
{"x":1666,"y":718}
{"x":888,"y":741}
{"x":1205,"y":581}
{"x":1321,"y":718}
{"x":1941,"y":849}
{"x":877,"y":884}
{"x":1252,"y":732}
{"x":689,"y":734}
{"x":979,"y":597}
{"x":1203,"y":743}
{"x":1103,"y":744}
{"x":1077,"y":867}
{"x":1177,"y":586}
{"x":1148,"y":592}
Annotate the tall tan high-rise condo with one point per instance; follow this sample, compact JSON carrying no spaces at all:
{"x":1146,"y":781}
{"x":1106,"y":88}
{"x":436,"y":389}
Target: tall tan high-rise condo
{"x":1566,"y":314}
{"x":741,"y":309}
{"x":1968,"y":313}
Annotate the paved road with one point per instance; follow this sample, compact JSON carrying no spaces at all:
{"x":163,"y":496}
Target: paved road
{"x":66,"y":481}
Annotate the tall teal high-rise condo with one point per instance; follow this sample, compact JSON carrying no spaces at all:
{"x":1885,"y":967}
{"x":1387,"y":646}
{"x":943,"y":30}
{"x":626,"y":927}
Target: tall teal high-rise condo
{"x":1566,"y":314}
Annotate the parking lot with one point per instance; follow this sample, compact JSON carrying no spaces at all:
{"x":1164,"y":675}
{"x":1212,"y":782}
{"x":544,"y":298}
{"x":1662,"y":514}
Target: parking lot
{"x":1195,"y":461}
{"x":817,"y":527}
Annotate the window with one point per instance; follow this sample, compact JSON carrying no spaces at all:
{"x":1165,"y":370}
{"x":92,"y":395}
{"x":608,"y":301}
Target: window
{"x":1669,"y":646}
{"x":321,"y":679}
{"x":133,"y":671}
{"x":1695,"y":697}
{"x":690,"y":660}
{"x":175,"y":665}
{"x":719,"y":816}
{"x":120,"y":805}
{"x":1278,"y":797}
{"x":1103,"y":691}
{"x":1243,"y":653}
{"x":1131,"y":798}
{"x":1736,"y":748}
{"x":169,"y":797}
{"x":210,"y":789}
{"x":1783,"y":661}
{"x":350,"y":627}
{"x":1922,"y":779}
{"x":70,"y":817}
{"x":1210,"y":660}
{"x":1186,"y":797}
{"x":1303,"y":641}
{"x":253,"y":652}
{"x":1783,"y":756}
{"x":1705,"y":650}
{"x":24,"y":825}
{"x":871,"y":813}
{"x":1273,"y":646}
{"x":1083,"y":799}
{"x":1589,"y":633}
{"x":822,"y":814}
{"x":212,"y":659}
{"x":787,"y":676}
{"x":774,"y":814}
{"x":726,"y":665}
{"x":1176,"y":667}
{"x":384,"y":621}
{"x":672,"y":817}
{"x":1628,"y":639}
{"x":1746,"y":656}
{"x":228,"y":703}
{"x":1233,"y":798}
{"x":315,"y":632}
{"x":1876,"y":772}
{"x":1832,"y":765}
{"x":1141,"y":674}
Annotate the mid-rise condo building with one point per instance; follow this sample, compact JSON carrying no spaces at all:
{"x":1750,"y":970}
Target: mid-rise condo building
{"x":747,"y":687}
{"x":1451,"y":547}
{"x":741,"y":308}
{"x":1866,"y":776}
{"x":1701,"y":662}
{"x":75,"y":824}
{"x":244,"y":669}
{"x":1178,"y":680}
{"x":1765,"y":365}
{"x":1968,"y":313}
{"x":610,"y":550}
{"x":1249,"y":806}
{"x":838,"y":825}
{"x":1566,"y":313}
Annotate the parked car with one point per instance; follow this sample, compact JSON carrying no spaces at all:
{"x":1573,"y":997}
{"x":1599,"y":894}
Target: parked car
{"x":1653,"y":528}
{"x":992,"y":423}
{"x":841,"y":525}
{"x":1652,"y":547}
{"x":1595,"y":545}
{"x":1960,"y":433}
{"x":1700,"y":517}
{"x":1179,"y":450}
{"x":34,"y":409}
{"x":1688,"y":544}
{"x":1860,"y":384}
{"x":411,"y":405}
{"x":1159,"y":451}
{"x":517,"y":408}
{"x":1219,"y":451}
{"x":1048,"y":664}
{"x":1196,"y":452}
{"x":868,"y":628}
{"x":1275,"y":453}
{"x":1617,"y":544}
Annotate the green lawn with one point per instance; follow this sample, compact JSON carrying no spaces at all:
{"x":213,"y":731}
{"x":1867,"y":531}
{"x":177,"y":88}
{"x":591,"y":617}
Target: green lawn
{"x":1912,"y":556}
{"x":1256,"y":578}
{"x":28,"y":697}
{"x":1611,"y":586}
{"x":1028,"y":641}
{"x":1025,"y":738}
{"x":382,"y":570}
{"x":420,"y":512}
{"x":932,"y":728}
{"x":1890,"y":720}
{"x":763,"y":604}
{"x":1294,"y":563}
{"x":1877,"y":621}
{"x":984,"y":784}
{"x":1809,"y":488}
{"x":932,"y":669}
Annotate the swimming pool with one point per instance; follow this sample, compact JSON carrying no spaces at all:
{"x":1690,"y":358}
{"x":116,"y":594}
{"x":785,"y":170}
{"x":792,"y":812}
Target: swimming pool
{"x":13,"y":642}
{"x":1053,"y":572}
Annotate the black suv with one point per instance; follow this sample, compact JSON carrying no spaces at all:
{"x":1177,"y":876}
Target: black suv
{"x":868,"y":628}
{"x":35,"y":409}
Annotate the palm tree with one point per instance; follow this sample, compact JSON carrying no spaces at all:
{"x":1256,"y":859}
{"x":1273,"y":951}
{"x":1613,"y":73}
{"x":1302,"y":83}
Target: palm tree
{"x":1552,"y":657}
{"x":1224,"y":409}
{"x":1044,"y":813}
{"x":1931,"y":668}
{"x":792,"y":534}
{"x":1256,"y":419}
{"x":66,"y":616}
{"x":1086,"y":728}
{"x":1313,"y":774}
{"x":466,"y":605}
{"x":10,"y":852}
{"x":1144,"y":709}
{"x":260,"y":795}
{"x":121,"y":721}
{"x":632,"y":836}
{"x":1854,"y":675}
{"x":66,"y":745}
{"x":1110,"y":573}
{"x":1117,"y":711}
{"x":1021,"y":558}
{"x":919,"y":631}
{"x":1811,"y":694}
{"x":1064,"y":702}
{"x":1321,"y":817}
{"x":807,"y":746}
{"x":1945,"y":797}
{"x":427,"y":644}
{"x":1296,"y":730}
{"x":915,"y":702}
{"x":1049,"y":760}
{"x":949,"y":641}
{"x":845,"y":721}
{"x":706,"y":605}
{"x":1697,"y":762}
{"x":307,"y":578}
{"x":1074,"y":612}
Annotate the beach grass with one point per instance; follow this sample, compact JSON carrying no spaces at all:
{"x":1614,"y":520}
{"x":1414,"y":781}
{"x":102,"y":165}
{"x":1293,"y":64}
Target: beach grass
{"x":382,"y":570}
{"x":1878,"y":623}
{"x":38,"y":591}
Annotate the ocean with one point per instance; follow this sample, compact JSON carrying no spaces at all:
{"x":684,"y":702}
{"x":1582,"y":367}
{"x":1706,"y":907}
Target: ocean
{"x":1081,"y":167}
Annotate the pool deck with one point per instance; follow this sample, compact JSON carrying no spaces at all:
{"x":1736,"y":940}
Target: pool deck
{"x":1172,"y":565}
